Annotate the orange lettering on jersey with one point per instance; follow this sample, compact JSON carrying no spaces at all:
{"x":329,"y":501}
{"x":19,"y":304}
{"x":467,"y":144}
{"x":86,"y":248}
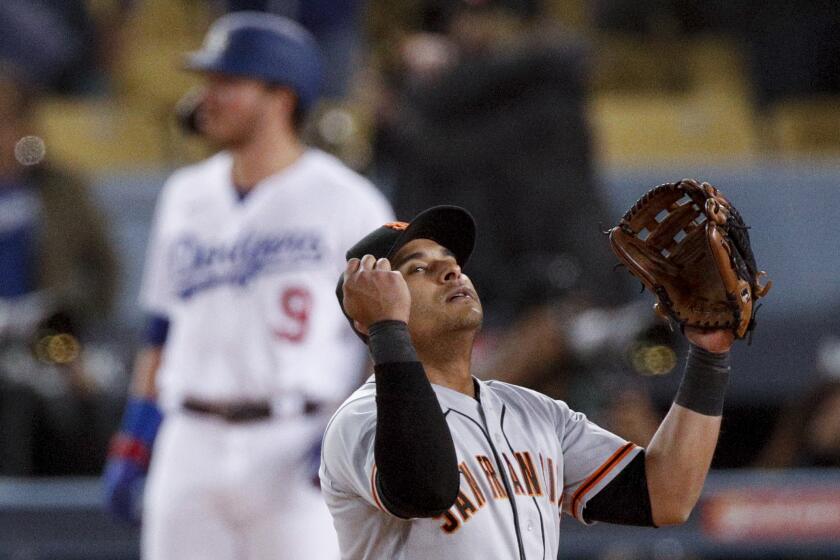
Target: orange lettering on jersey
{"x":492,"y":480}
{"x":451,"y":523}
{"x":399,"y":226}
{"x":532,"y":481}
{"x":477,"y":493}
{"x":552,"y":483}
{"x":464,"y":506}
{"x":514,"y":478}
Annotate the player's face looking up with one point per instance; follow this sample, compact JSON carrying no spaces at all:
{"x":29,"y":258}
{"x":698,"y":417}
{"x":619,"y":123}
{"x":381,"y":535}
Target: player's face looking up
{"x":443,"y":299}
{"x":235,"y":110}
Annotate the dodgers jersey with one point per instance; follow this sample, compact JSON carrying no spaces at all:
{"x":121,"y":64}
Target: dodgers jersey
{"x":523,"y":458}
{"x":248,"y":284}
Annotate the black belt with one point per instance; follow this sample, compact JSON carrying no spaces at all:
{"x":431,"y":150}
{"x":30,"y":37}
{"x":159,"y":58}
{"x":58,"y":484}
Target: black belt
{"x":243,"y":411}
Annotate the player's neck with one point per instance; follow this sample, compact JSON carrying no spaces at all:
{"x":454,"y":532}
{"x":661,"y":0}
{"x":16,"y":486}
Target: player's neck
{"x":264,"y":157}
{"x":449,"y":364}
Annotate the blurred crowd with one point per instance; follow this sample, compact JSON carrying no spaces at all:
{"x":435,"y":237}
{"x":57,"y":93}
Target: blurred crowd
{"x":792,"y":49}
{"x":57,"y":282}
{"x":480,"y":103}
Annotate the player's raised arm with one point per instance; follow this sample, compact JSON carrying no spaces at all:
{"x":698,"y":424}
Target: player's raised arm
{"x":416,"y":467}
{"x":690,"y":246}
{"x":680,"y":453}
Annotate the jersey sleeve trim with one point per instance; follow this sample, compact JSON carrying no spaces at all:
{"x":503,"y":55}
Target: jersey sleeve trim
{"x":601,"y":476}
{"x":374,"y":491}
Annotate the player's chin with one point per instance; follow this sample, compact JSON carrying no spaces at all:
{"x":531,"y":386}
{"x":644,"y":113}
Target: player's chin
{"x":468,"y":314}
{"x":211,"y":133}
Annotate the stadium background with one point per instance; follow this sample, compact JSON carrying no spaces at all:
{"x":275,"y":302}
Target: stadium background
{"x":743,"y":94}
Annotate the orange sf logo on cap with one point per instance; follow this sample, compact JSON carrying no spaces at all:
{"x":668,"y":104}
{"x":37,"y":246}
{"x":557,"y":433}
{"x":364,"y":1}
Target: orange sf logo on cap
{"x":399,"y":226}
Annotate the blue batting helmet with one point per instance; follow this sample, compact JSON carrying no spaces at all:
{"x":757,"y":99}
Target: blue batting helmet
{"x":265,"y":47}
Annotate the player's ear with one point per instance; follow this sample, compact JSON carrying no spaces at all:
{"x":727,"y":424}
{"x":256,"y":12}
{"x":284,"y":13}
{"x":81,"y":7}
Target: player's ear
{"x":360,"y":327}
{"x":286,"y":100}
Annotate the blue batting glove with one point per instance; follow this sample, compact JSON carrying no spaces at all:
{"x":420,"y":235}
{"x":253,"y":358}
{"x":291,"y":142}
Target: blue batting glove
{"x":128,"y":459}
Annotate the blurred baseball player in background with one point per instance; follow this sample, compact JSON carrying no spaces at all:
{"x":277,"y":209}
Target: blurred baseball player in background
{"x":427,"y":461}
{"x":246,"y":353}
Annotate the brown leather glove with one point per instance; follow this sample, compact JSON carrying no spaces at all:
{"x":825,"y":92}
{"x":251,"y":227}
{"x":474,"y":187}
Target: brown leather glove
{"x":690,"y":247}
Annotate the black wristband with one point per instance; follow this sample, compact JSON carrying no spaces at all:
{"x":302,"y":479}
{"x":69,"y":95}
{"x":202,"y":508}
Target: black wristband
{"x":704,"y":382}
{"x":389,"y":341}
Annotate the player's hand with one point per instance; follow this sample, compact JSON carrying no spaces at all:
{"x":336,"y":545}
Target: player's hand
{"x":714,"y":340}
{"x":373,"y":292}
{"x":124,"y":481}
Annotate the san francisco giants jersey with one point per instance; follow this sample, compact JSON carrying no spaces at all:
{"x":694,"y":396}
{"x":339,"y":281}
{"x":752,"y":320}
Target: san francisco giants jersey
{"x":248,"y":283}
{"x":523,"y":459}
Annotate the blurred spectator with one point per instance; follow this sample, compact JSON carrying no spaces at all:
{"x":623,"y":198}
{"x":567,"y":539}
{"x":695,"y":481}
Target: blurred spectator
{"x":54,"y":240}
{"x":57,"y":280}
{"x":807,"y":433}
{"x":660,"y":17}
{"x":486,"y":111}
{"x":794,"y":48}
{"x":63,"y":48}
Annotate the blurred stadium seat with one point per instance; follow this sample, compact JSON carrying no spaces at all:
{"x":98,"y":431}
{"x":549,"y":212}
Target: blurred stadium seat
{"x":639,"y":65}
{"x":157,"y":36}
{"x":132,"y":128}
{"x":100,"y":135}
{"x":150,"y":73}
{"x":809,"y":126}
{"x":661,"y":99}
{"x":716,"y":64}
{"x":634,"y":128}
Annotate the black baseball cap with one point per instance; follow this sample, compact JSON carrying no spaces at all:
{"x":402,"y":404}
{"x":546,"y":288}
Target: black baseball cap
{"x":451,"y":226}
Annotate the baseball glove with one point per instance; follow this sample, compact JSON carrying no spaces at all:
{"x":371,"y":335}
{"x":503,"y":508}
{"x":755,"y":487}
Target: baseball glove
{"x":690,"y":247}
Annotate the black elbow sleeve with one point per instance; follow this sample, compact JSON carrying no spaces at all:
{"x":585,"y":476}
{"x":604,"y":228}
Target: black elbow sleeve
{"x":417,"y":469}
{"x":625,"y":500}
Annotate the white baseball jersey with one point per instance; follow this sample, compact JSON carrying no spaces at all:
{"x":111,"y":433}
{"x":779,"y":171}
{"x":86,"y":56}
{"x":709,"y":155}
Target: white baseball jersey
{"x":523,"y":458}
{"x":249,"y":284}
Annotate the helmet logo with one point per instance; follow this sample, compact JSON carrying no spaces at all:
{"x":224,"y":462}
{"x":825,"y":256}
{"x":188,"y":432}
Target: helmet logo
{"x":398,"y":226}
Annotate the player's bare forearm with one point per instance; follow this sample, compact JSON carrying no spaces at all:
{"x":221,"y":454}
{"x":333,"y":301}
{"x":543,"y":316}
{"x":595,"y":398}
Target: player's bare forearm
{"x":146,"y":365}
{"x":677,"y":462}
{"x":680,"y":452}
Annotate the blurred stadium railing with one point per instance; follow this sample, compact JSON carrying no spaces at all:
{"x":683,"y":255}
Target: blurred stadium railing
{"x":742,"y":514}
{"x":60,"y":519}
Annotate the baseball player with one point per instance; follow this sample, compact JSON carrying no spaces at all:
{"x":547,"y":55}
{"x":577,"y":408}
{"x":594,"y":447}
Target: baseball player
{"x":246,"y":353}
{"x":427,"y":461}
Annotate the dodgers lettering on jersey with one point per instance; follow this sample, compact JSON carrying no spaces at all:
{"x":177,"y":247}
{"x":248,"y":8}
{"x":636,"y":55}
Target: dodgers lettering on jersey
{"x":248,"y":284}
{"x":199,"y":266}
{"x":523,"y":458}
